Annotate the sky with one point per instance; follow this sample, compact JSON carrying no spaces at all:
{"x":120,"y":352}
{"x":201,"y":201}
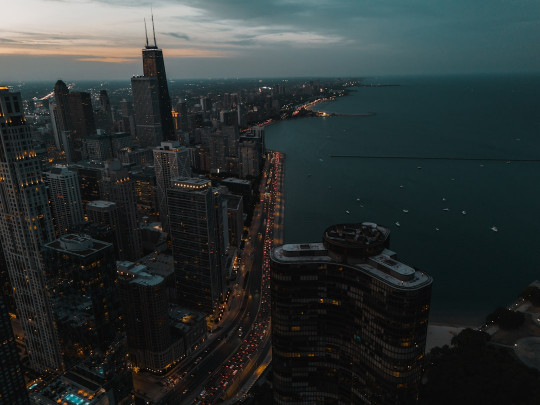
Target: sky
{"x":102,"y":39}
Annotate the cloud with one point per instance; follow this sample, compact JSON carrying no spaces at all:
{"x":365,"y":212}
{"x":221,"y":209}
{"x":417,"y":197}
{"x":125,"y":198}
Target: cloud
{"x":106,"y":60}
{"x":177,"y":35}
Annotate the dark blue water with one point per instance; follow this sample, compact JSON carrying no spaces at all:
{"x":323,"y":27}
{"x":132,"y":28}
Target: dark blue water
{"x":475,"y":269}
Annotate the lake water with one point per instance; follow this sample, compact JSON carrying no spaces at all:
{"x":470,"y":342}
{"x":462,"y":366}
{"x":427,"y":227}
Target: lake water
{"x":475,"y":269}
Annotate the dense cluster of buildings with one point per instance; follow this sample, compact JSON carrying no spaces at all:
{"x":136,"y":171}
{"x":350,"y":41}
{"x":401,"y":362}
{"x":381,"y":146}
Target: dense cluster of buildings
{"x":117,"y":244}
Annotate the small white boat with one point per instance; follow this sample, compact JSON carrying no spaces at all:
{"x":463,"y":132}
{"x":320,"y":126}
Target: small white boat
{"x":358,"y":199}
{"x":347,"y":212}
{"x":444,"y":199}
{"x":419,"y":167}
{"x":436,"y":228}
{"x":405,"y":211}
{"x":398,"y":224}
{"x":401,"y":186}
{"x":464,"y":212}
{"x":446,"y":209}
{"x":494,"y":229}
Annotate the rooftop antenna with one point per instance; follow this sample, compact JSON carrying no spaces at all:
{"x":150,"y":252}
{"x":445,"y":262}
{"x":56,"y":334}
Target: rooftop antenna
{"x":146,"y":32}
{"x":153,"y":29}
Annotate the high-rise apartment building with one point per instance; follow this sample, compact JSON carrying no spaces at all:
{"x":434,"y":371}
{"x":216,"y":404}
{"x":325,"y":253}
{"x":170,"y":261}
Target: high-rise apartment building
{"x":170,"y":161}
{"x":349,"y":321}
{"x":65,"y":197}
{"x":117,"y":186}
{"x":196,"y":243}
{"x":106,"y":213}
{"x":81,"y":277}
{"x":146,"y":306}
{"x":12,"y":386}
{"x":148,"y":124}
{"x":25,"y":225}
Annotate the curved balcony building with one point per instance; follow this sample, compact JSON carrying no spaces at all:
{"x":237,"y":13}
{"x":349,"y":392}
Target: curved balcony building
{"x":349,"y":321}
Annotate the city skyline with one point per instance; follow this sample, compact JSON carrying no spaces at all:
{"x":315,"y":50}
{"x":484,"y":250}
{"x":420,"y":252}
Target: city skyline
{"x":97,"y":40}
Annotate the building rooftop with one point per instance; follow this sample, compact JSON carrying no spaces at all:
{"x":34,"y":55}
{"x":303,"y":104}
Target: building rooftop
{"x":191,"y":183}
{"x":72,"y":390}
{"x":170,"y":146}
{"x":138,"y":273}
{"x":101,"y":204}
{"x":159,"y":263}
{"x":383,"y":266}
{"x":78,"y":244}
{"x":59,"y":170}
{"x":237,"y":181}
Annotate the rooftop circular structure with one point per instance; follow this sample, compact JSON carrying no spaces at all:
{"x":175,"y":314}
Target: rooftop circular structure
{"x":76,"y":242}
{"x":356,"y":240}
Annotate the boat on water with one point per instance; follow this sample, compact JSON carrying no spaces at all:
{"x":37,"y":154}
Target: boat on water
{"x":419,"y":167}
{"x":358,"y":199}
{"x":398,"y":224}
{"x":446,"y":209}
{"x":464,"y":212}
{"x":401,"y":186}
{"x":444,"y":199}
{"x":347,"y":212}
{"x":405,"y":211}
{"x":494,"y":229}
{"x":436,"y":228}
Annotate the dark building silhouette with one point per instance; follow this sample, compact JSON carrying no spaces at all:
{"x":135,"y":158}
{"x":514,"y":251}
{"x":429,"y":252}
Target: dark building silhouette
{"x":148,"y":120}
{"x":12,"y":386}
{"x":82,"y":120}
{"x":117,"y":186}
{"x":61,"y":95}
{"x":197,"y":243}
{"x":81,"y":276}
{"x":154,"y":66}
{"x":349,"y":321}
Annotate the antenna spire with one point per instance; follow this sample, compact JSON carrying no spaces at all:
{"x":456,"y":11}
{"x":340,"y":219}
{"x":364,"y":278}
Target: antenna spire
{"x":146,"y":32}
{"x":153,"y":29}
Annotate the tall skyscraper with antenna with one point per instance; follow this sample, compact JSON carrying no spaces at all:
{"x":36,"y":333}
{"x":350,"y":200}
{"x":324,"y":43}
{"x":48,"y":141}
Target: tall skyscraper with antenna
{"x":25,"y":226}
{"x":154,"y":66}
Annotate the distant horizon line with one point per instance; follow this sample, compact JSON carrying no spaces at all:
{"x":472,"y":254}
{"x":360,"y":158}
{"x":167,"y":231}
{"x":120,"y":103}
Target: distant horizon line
{"x":355,"y":77}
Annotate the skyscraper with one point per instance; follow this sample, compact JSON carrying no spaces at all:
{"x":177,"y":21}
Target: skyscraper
{"x":61,"y":95}
{"x":81,"y":276}
{"x":12,"y":386}
{"x":170,"y":161}
{"x":154,"y":66}
{"x":146,"y":306}
{"x":66,"y":200}
{"x":82,"y":120}
{"x":106,"y":213}
{"x":195,"y":243}
{"x":349,"y":321}
{"x":117,"y":186}
{"x":25,"y":225}
{"x":148,"y":121}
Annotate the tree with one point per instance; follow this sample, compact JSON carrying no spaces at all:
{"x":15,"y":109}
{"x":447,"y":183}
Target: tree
{"x":506,"y":318}
{"x":532,"y":294}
